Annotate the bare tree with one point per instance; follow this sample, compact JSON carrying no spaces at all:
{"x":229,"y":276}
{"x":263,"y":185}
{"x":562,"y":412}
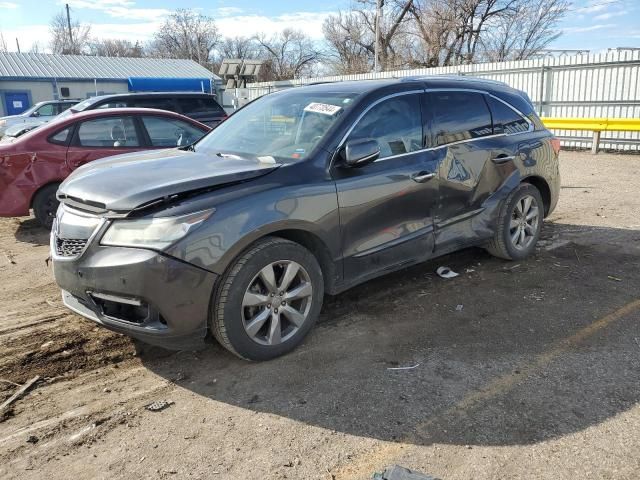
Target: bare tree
{"x":524,"y":31}
{"x":238,"y":47}
{"x":441,"y":32}
{"x":75,"y":42}
{"x":187,"y":34}
{"x":289,"y":54}
{"x":115,"y":48}
{"x":351,"y":34}
{"x":3,"y":44}
{"x":36,"y":47}
{"x":349,"y":42}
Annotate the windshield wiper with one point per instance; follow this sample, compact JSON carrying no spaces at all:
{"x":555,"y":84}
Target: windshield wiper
{"x":190,"y":148}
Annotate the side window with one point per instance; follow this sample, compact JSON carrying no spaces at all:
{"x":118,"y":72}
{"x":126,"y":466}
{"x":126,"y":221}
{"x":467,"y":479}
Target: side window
{"x":159,"y":103}
{"x":46,"y":110}
{"x":169,"y":132}
{"x":110,"y":132}
{"x":458,"y":116}
{"x":61,"y":107}
{"x":506,"y":119}
{"x":395,"y":123}
{"x":61,"y":137}
{"x":199,"y":105}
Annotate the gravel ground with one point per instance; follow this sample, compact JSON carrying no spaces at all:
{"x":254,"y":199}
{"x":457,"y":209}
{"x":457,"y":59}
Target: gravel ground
{"x":522,"y":370}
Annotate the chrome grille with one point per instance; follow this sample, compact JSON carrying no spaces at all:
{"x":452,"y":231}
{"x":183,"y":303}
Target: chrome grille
{"x":70,"y":247}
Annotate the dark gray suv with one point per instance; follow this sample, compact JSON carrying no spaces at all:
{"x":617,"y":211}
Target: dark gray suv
{"x":303,"y":192}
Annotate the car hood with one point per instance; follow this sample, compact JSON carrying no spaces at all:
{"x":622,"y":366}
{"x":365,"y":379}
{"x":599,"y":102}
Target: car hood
{"x":125,"y":182}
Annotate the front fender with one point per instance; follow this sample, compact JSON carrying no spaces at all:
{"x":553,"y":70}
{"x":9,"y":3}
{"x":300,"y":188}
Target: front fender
{"x":237,"y":224}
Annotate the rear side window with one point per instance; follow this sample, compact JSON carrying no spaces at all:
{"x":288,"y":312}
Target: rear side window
{"x":60,"y":138}
{"x":457,"y":116}
{"x":170,"y":132}
{"x":159,"y":103}
{"x":506,"y":119}
{"x":199,"y":105}
{"x":395,"y":123}
{"x":61,"y":107}
{"x":110,"y":132}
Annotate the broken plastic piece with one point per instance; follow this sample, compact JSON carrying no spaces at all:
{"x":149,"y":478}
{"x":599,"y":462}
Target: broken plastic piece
{"x":158,"y":405}
{"x":446,"y":272}
{"x":396,"y":472}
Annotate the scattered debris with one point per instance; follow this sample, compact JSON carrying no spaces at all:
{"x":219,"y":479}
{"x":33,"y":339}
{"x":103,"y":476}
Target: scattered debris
{"x":32,"y":439}
{"x":18,"y":395}
{"x":446,"y":272}
{"x":459,"y":308}
{"x":470,"y":270}
{"x":159,"y":405}
{"x":396,"y":472}
{"x":616,"y":279}
{"x":10,"y":257}
{"x":404,"y":368}
{"x":511,"y":268}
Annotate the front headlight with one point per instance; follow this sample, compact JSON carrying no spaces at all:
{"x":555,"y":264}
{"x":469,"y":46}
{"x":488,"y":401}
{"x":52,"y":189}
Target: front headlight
{"x":156,"y":233}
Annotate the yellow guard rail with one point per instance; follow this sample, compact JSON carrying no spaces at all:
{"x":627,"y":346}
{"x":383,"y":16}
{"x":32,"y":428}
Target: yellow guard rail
{"x":596,"y":125}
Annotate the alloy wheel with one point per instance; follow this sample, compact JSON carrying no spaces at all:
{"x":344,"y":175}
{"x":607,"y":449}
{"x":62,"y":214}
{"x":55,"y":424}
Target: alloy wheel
{"x":524,"y":222}
{"x":277,"y":302}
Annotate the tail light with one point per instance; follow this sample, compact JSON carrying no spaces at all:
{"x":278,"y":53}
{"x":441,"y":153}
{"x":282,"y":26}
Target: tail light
{"x":555,"y":144}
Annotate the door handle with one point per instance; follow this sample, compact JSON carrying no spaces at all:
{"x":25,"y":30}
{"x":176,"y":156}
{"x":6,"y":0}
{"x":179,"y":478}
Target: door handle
{"x":422,"y":177}
{"x":503,"y":158}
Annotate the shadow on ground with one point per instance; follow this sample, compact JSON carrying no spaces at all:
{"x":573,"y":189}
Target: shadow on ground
{"x":493,"y":364}
{"x":30,"y":231}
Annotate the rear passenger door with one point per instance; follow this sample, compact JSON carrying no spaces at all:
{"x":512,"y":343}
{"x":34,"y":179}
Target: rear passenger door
{"x":461,"y":134}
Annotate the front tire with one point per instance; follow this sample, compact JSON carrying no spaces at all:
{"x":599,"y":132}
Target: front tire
{"x":519,"y":224}
{"x":268,"y":300}
{"x":45,"y":205}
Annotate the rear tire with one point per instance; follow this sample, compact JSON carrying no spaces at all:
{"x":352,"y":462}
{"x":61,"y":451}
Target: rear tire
{"x":268,"y":300}
{"x":519,"y":224}
{"x":45,"y":205}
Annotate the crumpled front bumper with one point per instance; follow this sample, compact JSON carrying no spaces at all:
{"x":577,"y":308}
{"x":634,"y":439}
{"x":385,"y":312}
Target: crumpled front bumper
{"x":141,"y":293}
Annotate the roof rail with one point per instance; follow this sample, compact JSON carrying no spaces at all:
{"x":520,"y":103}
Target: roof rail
{"x":458,"y":78}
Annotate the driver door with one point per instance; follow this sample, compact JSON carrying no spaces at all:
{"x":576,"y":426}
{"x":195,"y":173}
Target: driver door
{"x":387,"y":206}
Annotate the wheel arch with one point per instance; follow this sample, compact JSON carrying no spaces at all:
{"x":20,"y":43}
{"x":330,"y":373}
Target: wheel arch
{"x":42,"y":187}
{"x":544,"y":189}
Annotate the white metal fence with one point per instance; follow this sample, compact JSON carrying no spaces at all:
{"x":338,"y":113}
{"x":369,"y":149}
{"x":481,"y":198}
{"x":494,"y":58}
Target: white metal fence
{"x":604,"y":85}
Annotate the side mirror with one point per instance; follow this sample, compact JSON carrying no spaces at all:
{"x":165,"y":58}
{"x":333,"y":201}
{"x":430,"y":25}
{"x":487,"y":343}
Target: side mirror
{"x":35,"y":114}
{"x":360,"y":152}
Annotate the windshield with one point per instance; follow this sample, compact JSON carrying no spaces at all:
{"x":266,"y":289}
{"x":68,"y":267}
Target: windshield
{"x":281,"y":126}
{"x":28,"y":112}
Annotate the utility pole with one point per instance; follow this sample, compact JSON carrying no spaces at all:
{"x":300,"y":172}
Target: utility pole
{"x":376,"y":60}
{"x":69,"y":25}
{"x":18,"y":44}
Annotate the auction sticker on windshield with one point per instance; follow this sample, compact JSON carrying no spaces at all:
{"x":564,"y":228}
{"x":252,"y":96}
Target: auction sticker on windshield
{"x":324,"y":108}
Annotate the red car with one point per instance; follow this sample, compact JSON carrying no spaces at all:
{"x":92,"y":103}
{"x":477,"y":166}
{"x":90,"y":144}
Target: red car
{"x":33,"y":165}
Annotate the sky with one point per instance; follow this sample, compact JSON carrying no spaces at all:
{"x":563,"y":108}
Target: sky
{"x":594,"y":25}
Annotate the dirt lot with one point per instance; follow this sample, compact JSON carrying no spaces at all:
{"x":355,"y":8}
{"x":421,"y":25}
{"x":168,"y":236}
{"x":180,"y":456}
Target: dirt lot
{"x":523,"y":370}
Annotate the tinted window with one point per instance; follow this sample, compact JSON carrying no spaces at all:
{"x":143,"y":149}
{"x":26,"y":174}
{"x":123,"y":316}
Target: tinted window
{"x":113,"y":104}
{"x":159,"y":103}
{"x":118,"y":132}
{"x":506,"y":119}
{"x":396,"y":124}
{"x":61,"y":107}
{"x":168,"y":132}
{"x":61,"y":137}
{"x":46,"y":110}
{"x":199,"y":105}
{"x":458,"y":116}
